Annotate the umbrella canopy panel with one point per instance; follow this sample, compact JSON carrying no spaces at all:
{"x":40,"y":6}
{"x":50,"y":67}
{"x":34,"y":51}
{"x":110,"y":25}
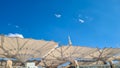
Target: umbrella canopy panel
{"x":103,"y":55}
{"x":24,"y":49}
{"x":67,"y":53}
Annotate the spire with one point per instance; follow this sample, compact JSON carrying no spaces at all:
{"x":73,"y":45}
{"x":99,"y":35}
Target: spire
{"x":69,"y":41}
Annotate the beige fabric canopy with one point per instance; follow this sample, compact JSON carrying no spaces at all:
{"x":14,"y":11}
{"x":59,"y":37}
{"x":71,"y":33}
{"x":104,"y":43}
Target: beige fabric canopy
{"x":70,"y":53}
{"x":24,"y":49}
{"x":103,"y":55}
{"x":67,"y":53}
{"x":52,"y":55}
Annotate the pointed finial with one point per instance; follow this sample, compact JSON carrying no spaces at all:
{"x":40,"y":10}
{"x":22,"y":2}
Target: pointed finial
{"x":69,"y":41}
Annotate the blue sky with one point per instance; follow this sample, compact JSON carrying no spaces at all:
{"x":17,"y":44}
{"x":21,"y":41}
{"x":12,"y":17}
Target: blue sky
{"x":93,"y":23}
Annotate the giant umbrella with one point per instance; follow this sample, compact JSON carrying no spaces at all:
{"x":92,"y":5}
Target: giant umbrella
{"x":24,"y":49}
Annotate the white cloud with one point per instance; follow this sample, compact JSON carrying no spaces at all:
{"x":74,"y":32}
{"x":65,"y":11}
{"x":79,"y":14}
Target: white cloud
{"x":16,"y":26}
{"x":58,"y":15}
{"x":15,"y":35}
{"x":81,"y":20}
